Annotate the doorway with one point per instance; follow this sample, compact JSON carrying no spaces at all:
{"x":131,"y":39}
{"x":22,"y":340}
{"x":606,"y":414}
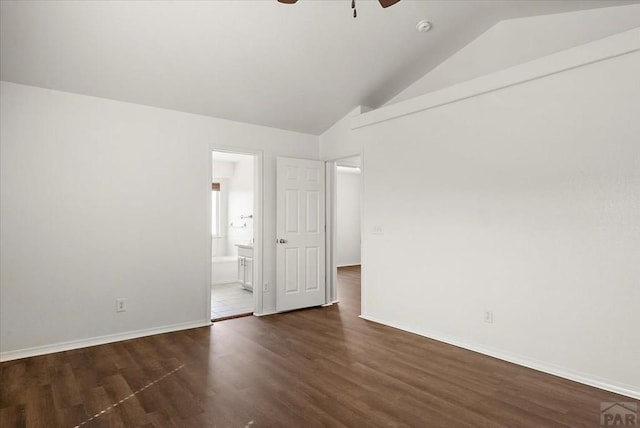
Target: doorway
{"x":344,"y":231}
{"x":235,"y":230}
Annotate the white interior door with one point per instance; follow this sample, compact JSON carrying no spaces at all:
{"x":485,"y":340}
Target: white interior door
{"x":300,"y":233}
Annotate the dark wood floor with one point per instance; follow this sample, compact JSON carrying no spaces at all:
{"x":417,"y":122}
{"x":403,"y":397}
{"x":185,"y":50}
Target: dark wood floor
{"x":316,"y":367}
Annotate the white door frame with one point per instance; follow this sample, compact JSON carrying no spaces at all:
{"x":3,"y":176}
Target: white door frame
{"x":331,"y":275}
{"x":258,"y":223}
{"x":331,"y":231}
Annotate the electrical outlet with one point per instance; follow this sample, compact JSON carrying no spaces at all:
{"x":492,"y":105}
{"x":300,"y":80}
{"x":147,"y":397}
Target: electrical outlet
{"x":488,"y":317}
{"x":121,"y":305}
{"x":265,"y":287}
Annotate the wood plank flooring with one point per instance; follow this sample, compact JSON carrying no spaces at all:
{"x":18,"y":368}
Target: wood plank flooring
{"x":310,"y":368}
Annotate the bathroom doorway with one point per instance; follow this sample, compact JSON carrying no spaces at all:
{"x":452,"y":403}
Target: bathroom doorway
{"x":234,"y":225}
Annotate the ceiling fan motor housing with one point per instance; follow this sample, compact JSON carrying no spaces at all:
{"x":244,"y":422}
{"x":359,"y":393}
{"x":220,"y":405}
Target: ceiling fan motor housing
{"x":383,"y":3}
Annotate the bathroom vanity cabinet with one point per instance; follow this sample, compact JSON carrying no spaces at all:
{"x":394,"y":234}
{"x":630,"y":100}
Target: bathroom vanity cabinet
{"x":245,"y":266}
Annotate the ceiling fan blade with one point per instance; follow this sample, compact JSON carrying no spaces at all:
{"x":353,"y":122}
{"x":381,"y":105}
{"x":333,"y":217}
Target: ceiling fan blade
{"x":288,"y":1}
{"x":387,"y":3}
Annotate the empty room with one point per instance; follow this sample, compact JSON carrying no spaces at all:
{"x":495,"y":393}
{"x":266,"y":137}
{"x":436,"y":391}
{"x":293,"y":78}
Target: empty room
{"x":301,"y":213}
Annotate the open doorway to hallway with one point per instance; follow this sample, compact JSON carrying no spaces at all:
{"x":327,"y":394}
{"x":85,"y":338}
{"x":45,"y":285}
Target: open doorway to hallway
{"x":232,"y":235}
{"x":347,"y":222}
{"x":349,"y":293}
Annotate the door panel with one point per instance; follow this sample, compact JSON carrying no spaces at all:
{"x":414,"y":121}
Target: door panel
{"x":313,"y":273}
{"x":313,"y":212}
{"x":291,"y":211}
{"x":291,"y":270}
{"x":300,"y":233}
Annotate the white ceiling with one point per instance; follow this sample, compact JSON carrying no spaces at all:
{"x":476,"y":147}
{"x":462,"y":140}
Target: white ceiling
{"x":299,"y":67}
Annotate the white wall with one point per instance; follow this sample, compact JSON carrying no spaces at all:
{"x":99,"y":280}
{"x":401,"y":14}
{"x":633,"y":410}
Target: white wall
{"x":103,"y":199}
{"x":348,"y":216}
{"x":523,"y":201}
{"x":517,"y":41}
{"x":336,"y":142}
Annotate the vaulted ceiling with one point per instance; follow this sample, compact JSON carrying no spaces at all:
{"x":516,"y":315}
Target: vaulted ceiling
{"x":298,"y":67}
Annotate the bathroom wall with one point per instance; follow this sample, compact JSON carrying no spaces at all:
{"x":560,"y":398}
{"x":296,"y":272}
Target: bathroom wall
{"x":222,"y":171}
{"x":236,"y":177}
{"x":240,"y":193}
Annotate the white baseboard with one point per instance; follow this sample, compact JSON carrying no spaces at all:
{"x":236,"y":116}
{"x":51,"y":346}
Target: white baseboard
{"x":224,"y":282}
{"x":265,"y":313}
{"x":99,"y":340}
{"x":622,"y":389}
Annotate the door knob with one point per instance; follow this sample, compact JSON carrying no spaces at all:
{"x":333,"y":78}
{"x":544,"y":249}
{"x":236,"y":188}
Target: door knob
{"x":282,"y":241}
